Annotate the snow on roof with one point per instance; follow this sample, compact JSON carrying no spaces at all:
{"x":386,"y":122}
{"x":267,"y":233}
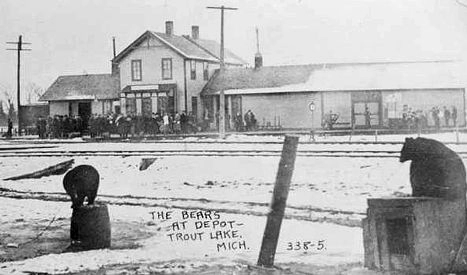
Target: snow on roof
{"x":239,"y":80}
{"x":409,"y":75}
{"x":83,"y":87}
{"x":340,"y":77}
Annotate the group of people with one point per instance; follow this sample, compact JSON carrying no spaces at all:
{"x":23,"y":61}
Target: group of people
{"x":124,"y":125}
{"x":445,"y":114}
{"x":59,"y":126}
{"x":246,"y":123}
{"x":418,"y":119}
{"x":179,"y":123}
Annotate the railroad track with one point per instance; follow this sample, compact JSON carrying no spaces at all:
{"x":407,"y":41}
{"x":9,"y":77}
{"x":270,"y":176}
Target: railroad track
{"x":201,"y":152}
{"x":188,"y":148}
{"x":222,"y":153}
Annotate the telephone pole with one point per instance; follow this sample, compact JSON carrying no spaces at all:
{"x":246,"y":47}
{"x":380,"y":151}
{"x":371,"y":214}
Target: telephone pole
{"x":222,"y":67}
{"x":19,"y":48}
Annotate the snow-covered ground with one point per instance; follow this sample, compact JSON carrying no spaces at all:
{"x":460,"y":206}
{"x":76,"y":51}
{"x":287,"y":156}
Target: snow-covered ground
{"x":238,"y":188}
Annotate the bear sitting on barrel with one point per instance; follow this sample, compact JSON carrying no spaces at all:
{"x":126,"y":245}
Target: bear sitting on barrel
{"x":435,"y":171}
{"x":80,"y":182}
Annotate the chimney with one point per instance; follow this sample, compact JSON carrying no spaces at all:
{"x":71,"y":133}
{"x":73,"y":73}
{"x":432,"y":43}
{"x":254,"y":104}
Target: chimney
{"x":113,"y":44}
{"x":258,"y":56}
{"x":195,"y":32}
{"x":114,"y":68}
{"x":258,"y":60}
{"x":169,"y":27}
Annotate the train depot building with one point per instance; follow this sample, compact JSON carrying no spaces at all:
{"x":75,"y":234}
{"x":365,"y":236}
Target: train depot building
{"x":161,"y":72}
{"x":301,"y":96}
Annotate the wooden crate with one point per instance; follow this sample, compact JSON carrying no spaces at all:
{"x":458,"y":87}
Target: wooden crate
{"x":417,"y":235}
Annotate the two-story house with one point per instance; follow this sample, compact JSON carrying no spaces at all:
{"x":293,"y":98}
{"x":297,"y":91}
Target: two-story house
{"x":164,"y":72}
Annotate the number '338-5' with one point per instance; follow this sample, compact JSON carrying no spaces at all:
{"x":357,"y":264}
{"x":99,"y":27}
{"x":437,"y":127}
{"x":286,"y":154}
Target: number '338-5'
{"x":306,"y":245}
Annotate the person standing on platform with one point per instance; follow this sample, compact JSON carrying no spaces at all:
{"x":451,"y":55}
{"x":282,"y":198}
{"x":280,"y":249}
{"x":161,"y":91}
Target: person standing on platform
{"x":435,"y":115}
{"x":367,"y":115}
{"x":454,"y":115}
{"x":447,"y":116}
{"x":9,"y":132}
{"x":247,"y":119}
{"x":183,"y":123}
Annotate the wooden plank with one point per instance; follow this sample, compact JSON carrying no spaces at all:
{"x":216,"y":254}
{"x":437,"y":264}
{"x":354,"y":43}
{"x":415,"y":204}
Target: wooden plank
{"x":279,"y":199}
{"x":56,"y":169}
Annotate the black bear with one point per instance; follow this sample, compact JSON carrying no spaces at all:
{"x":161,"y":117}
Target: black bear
{"x":80,"y":182}
{"x":435,"y":171}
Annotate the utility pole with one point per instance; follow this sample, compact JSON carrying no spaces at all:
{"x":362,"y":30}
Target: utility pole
{"x":19,"y":48}
{"x":222,"y":68}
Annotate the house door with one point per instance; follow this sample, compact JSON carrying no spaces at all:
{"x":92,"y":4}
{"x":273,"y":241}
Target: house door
{"x":366,"y":114}
{"x":146,"y":106}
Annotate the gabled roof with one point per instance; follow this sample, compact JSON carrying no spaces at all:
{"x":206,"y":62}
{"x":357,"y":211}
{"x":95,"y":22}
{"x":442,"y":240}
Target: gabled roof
{"x":214,"y":48}
{"x":339,"y":77}
{"x":184,"y":46}
{"x":83,"y":87}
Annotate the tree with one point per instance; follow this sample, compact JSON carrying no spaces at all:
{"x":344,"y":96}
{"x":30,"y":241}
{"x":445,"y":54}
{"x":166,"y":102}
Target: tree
{"x":8,"y":95}
{"x":33,"y":92}
{"x":3,"y":116}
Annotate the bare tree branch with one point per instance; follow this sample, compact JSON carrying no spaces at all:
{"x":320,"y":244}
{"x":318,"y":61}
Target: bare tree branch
{"x":461,"y":3}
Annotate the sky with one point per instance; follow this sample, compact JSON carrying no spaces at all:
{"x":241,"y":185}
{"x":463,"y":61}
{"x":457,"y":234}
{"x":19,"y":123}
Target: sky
{"x":75,"y":37}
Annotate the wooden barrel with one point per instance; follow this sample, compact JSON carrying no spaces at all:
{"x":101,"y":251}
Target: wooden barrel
{"x":90,"y":227}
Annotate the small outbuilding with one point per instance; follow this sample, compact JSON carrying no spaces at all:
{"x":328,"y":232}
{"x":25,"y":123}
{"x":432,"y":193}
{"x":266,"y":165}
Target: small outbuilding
{"x":83,"y":95}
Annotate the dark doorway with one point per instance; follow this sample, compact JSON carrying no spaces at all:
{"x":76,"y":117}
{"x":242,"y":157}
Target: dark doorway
{"x":194,"y":107}
{"x":84,"y":111}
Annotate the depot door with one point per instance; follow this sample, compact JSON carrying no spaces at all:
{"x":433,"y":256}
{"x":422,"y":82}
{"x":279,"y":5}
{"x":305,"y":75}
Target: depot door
{"x":366,"y":114}
{"x":366,"y":109}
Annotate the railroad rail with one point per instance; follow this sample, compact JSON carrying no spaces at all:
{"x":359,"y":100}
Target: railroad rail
{"x":305,"y":149}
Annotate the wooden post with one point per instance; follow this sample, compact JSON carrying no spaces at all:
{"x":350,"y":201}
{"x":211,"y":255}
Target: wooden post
{"x":19,"y":49}
{"x":279,"y":199}
{"x":222,"y":115}
{"x":90,"y":227}
{"x":222,"y":67}
{"x":351,"y":132}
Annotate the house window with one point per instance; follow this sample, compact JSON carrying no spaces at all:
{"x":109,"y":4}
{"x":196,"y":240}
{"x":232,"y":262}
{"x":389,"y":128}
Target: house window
{"x":166,"y":68}
{"x":205,"y":70}
{"x":136,"y":74}
{"x":193,"y":69}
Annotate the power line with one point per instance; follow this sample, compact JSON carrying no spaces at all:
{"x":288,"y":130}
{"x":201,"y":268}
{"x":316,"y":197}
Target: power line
{"x":222,"y":65}
{"x":19,"y":49}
